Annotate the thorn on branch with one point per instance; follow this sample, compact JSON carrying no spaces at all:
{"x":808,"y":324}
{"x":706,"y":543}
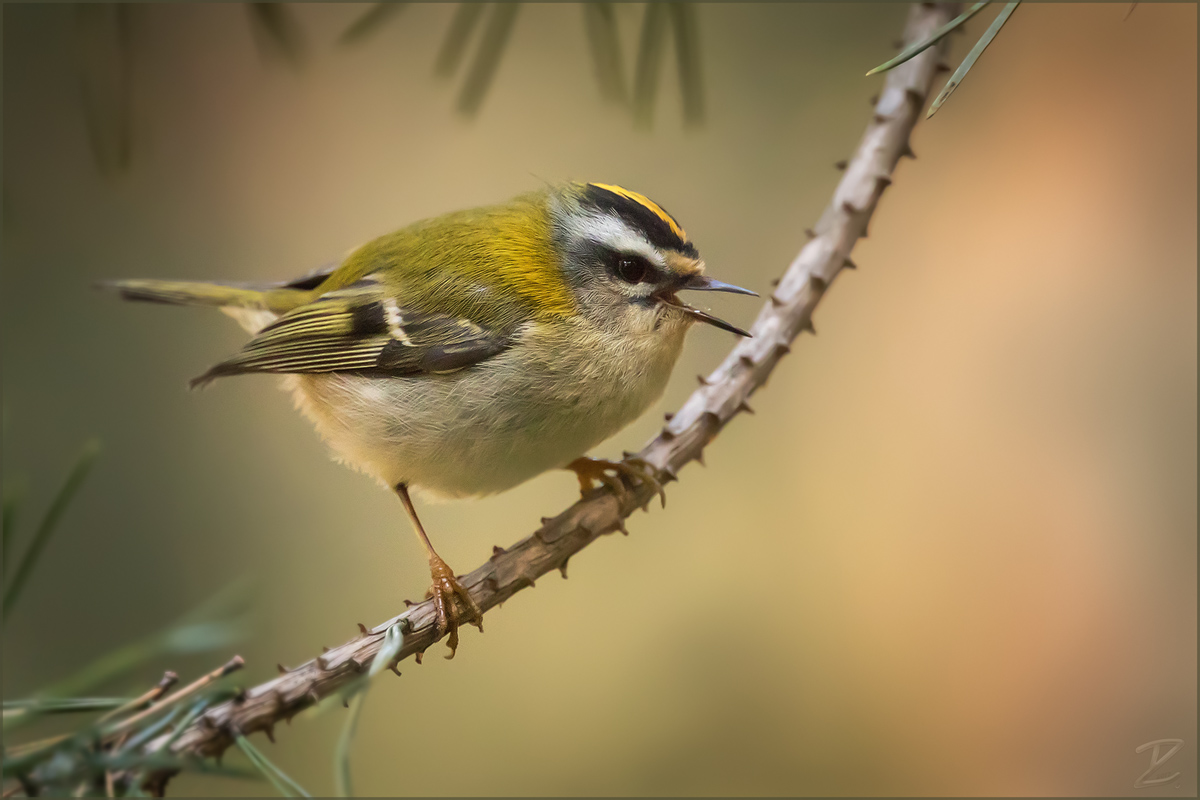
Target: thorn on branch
{"x":746,"y":361}
{"x":775,"y":301}
{"x":807,"y":327}
{"x":917,"y":98}
{"x":362,"y":630}
{"x":874,"y":99}
{"x":819,"y":284}
{"x":848,"y":264}
{"x":282,"y":669}
{"x":562,"y":568}
{"x":841,"y":165}
{"x":269,"y":730}
{"x":810,"y":233}
{"x":667,"y":416}
{"x":703,"y":380}
{"x":908,"y":151}
{"x":744,"y":406}
{"x":497,"y":551}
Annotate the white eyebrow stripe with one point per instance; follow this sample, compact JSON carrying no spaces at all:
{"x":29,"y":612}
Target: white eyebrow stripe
{"x":614,"y":233}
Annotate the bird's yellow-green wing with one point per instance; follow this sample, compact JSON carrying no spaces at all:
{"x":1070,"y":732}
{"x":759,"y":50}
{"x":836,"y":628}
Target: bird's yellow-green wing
{"x":495,"y":265}
{"x":437,"y":296}
{"x":363,"y":329}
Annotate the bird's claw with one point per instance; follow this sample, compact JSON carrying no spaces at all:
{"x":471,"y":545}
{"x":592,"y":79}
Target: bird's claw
{"x":447,"y":594}
{"x":613,"y":473}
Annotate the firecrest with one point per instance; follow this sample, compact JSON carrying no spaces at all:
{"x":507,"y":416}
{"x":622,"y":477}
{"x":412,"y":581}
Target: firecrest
{"x":464,"y":354}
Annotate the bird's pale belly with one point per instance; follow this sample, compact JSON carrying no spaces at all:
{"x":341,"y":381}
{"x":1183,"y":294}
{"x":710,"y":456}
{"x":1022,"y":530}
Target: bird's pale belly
{"x":489,"y":427}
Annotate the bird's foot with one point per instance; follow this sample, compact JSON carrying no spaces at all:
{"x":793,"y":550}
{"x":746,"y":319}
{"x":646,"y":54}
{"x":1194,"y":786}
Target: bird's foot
{"x":448,"y":595}
{"x":613,"y":474}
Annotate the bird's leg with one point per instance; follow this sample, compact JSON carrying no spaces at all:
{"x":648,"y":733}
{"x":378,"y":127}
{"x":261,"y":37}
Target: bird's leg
{"x":446,"y":588}
{"x":590,"y":470}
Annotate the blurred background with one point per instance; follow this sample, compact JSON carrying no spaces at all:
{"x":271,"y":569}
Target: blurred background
{"x":954,"y":552}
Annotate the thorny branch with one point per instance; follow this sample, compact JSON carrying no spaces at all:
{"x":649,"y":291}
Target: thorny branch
{"x":721,"y":396}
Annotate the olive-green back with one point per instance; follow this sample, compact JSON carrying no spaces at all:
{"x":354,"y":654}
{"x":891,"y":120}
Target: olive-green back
{"x":494,"y":265}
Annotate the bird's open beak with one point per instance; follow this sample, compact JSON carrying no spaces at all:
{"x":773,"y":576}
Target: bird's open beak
{"x":703,"y":283}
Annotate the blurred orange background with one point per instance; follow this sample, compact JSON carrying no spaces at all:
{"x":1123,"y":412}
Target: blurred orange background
{"x":954,"y":552}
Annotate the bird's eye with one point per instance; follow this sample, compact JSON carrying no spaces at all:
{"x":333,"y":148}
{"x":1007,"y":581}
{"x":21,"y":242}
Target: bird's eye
{"x":631,"y":269}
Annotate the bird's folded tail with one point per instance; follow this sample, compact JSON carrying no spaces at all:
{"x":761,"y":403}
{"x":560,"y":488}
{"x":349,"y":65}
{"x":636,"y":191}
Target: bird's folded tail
{"x":202,"y":293}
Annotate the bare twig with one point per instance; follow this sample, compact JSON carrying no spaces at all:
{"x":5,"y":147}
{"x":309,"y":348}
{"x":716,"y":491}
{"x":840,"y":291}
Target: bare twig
{"x":722,"y":395}
{"x":169,"y":679}
{"x":129,"y":723}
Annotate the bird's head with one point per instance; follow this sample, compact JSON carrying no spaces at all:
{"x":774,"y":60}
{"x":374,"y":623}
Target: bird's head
{"x":626,"y":259}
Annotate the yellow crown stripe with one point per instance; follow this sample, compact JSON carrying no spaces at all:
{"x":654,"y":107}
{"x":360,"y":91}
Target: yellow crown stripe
{"x":642,"y":200}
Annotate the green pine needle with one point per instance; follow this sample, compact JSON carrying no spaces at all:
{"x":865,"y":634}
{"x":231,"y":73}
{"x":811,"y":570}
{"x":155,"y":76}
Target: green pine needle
{"x":341,"y":775}
{"x":190,"y":634}
{"x":933,"y":39}
{"x":150,"y":731}
{"x":14,"y":495}
{"x":277,"y":31}
{"x":972,"y":57}
{"x":687,"y":49}
{"x":66,"y":705}
{"x":649,"y":62}
{"x":393,"y":640}
{"x":600,"y":24}
{"x":455,"y":43}
{"x":487,"y":57}
{"x":193,"y":713}
{"x":371,"y":21}
{"x":49,"y":523}
{"x":278,"y":778}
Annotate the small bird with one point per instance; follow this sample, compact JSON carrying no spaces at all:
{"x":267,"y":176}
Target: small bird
{"x":467,"y":353}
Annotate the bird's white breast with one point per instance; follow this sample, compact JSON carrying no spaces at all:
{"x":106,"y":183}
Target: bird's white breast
{"x":557,"y":392}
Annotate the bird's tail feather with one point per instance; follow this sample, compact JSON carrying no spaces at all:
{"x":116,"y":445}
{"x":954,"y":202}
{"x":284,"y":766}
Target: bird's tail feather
{"x":194,"y":293}
{"x":232,"y":297}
